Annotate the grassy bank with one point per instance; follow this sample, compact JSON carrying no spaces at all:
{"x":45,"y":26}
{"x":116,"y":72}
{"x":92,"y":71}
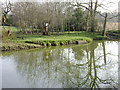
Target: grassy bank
{"x":19,"y":41}
{"x":17,"y":46}
{"x":114,"y":34}
{"x":36,"y":41}
{"x":52,"y":40}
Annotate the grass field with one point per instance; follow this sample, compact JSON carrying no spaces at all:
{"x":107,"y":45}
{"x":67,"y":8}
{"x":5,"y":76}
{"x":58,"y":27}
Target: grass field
{"x":62,"y":36}
{"x":23,"y":41}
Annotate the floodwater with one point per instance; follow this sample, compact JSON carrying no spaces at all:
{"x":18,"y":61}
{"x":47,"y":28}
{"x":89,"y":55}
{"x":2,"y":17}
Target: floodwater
{"x":76,"y":66}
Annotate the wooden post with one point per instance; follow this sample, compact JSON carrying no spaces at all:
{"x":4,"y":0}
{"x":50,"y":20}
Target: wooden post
{"x":46,"y":29}
{"x":46,"y":32}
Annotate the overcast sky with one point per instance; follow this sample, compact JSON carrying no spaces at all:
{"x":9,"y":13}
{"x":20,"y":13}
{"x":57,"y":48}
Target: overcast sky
{"x":111,"y":7}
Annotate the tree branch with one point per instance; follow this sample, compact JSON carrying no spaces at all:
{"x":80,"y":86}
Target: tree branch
{"x":80,"y":4}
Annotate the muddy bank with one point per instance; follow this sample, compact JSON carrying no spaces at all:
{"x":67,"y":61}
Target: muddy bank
{"x":12,"y":47}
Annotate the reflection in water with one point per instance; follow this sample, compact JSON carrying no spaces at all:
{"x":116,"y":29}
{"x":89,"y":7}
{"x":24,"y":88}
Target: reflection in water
{"x":92,"y":66}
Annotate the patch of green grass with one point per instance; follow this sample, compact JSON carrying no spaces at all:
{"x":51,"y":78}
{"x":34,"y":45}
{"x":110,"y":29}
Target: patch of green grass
{"x":55,"y":39}
{"x":100,"y":38}
{"x":114,"y":31}
{"x":6,"y":28}
{"x":52,"y":40}
{"x":80,"y":33}
{"x":42,"y":38}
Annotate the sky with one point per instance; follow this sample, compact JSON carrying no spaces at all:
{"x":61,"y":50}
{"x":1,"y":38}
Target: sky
{"x":111,"y":7}
{"x":114,"y":6}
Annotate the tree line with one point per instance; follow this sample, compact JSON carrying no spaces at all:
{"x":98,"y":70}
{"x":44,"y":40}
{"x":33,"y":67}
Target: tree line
{"x":61,"y":16}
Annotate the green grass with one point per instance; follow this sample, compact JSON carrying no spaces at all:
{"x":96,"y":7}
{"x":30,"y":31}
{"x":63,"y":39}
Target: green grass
{"x":54,"y":39}
{"x":13,"y":29}
{"x":81,"y":33}
{"x":51,"y":37}
{"x":114,"y":31}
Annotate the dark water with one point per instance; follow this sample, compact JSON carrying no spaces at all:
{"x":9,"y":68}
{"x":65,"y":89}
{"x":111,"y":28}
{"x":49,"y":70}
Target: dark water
{"x":91,"y":66}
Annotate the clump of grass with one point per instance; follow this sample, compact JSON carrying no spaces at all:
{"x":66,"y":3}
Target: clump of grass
{"x":55,"y":44}
{"x":44,"y":44}
{"x":70,"y":42}
{"x":48,"y":44}
{"x":61,"y":43}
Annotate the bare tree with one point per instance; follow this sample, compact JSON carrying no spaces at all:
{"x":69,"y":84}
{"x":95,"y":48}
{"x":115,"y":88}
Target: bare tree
{"x":92,"y":6}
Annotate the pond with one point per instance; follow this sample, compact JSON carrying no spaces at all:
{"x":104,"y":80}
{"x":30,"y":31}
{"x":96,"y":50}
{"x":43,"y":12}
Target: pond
{"x":76,"y":66}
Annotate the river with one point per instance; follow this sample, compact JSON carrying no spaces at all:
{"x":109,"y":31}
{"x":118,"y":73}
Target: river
{"x":74,"y":66}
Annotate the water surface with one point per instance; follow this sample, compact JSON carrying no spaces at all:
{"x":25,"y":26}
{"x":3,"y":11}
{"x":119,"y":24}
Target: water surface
{"x":89,"y":66}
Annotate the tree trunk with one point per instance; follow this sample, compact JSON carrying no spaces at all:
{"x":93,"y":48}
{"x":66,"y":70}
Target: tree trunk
{"x":93,"y":14}
{"x":104,"y":27}
{"x":92,"y":24}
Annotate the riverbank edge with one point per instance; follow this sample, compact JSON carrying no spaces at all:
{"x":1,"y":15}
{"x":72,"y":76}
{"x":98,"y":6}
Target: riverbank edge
{"x":39,"y":44}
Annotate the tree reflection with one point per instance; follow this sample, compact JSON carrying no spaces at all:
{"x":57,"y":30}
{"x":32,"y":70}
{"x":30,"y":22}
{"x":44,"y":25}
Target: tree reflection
{"x":92,"y":77}
{"x":79,"y":66}
{"x":103,"y":44}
